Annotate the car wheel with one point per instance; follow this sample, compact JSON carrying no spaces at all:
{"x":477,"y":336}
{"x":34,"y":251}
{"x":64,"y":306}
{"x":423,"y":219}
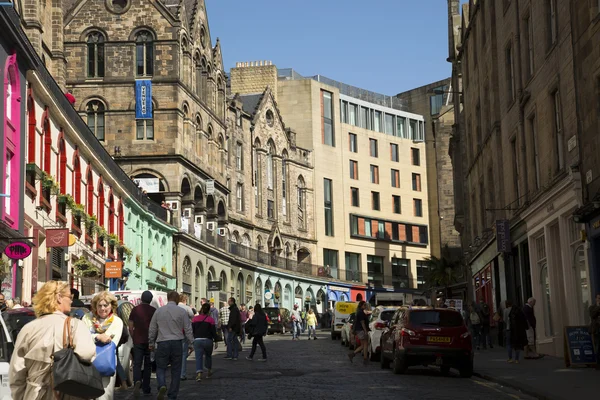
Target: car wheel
{"x":373,"y":356}
{"x":466,"y":371}
{"x":383,"y":362}
{"x":400,"y":366}
{"x":445,"y":370}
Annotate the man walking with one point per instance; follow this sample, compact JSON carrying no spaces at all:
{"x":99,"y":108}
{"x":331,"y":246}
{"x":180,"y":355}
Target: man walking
{"x":183,"y":299}
{"x":214,"y":313}
{"x":484,"y":310}
{"x":170,"y":325}
{"x":244,"y":320}
{"x":296,"y":321}
{"x":139,"y":326}
{"x":234,"y":327}
{"x":223,"y":321}
{"x":530,"y":349}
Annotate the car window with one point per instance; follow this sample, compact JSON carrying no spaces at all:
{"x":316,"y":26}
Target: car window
{"x":386,"y":315}
{"x":272,"y":312}
{"x":437,"y":318}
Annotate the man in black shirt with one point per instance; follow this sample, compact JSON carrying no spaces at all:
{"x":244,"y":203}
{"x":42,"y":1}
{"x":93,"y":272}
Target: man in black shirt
{"x":361,"y":329}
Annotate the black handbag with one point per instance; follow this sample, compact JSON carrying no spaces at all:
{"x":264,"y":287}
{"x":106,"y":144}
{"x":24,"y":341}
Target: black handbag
{"x":72,"y":376}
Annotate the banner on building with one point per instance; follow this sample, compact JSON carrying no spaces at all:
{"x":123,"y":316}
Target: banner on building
{"x":503,"y":236}
{"x":143,"y":99}
{"x":57,"y":238}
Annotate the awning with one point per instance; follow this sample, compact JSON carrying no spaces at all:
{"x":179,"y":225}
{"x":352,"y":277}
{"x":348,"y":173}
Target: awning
{"x":9,"y":235}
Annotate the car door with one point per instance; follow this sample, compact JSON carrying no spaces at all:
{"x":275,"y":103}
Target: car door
{"x":387,"y":336}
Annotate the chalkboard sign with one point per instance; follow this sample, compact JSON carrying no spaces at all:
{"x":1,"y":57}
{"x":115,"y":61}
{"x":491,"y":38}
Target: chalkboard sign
{"x":579,"y":348}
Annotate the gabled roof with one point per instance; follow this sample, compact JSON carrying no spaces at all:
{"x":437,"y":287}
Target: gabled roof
{"x":250,"y":102}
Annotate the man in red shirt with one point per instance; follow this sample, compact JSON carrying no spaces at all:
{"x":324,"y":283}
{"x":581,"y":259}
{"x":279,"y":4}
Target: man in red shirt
{"x":70,"y":97}
{"x":139,"y":324}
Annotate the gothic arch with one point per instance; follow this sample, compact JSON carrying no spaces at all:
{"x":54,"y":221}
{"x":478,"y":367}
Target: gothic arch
{"x":198,"y":197}
{"x":186,"y":188}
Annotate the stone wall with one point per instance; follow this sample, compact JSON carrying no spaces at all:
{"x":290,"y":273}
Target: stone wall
{"x":253,"y":77}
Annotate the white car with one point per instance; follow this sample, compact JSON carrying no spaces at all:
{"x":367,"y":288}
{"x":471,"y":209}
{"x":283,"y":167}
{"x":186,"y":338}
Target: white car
{"x":377,"y":323}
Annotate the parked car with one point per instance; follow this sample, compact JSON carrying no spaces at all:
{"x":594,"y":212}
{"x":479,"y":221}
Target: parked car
{"x":427,"y":336}
{"x":378,"y":321}
{"x":11,"y":323}
{"x":279,"y":319}
{"x":342,"y":312}
{"x":347,"y":329}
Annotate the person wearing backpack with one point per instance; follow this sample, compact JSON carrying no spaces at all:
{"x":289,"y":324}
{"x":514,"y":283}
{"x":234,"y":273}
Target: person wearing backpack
{"x":475,"y":323}
{"x":484,"y":309}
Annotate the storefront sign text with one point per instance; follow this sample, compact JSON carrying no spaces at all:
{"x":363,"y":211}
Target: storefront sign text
{"x":18,"y":250}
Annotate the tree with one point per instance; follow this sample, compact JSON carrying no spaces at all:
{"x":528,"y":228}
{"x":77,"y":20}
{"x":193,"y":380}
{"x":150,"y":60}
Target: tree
{"x":443,"y":272}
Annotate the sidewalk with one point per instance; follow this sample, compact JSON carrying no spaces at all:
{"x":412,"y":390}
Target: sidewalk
{"x":546,"y":378}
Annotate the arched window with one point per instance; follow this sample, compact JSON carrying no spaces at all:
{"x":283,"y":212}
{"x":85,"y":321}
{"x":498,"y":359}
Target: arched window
{"x":111,"y":212}
{"x":62,"y":163}
{"x":100,"y":202}
{"x":545,"y":283}
{"x":76,"y":178}
{"x":198,"y":135}
{"x":95,"y":56}
{"x":90,"y":191}
{"x":121,"y":225}
{"x":95,"y":118}
{"x":301,"y":202}
{"x":47,"y":141}
{"x":270,"y":172}
{"x":144,"y":54}
{"x":32,"y":134}
{"x":284,"y":189}
{"x":198,"y":75}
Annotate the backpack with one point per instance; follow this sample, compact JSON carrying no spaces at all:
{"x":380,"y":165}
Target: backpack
{"x":474,"y":318}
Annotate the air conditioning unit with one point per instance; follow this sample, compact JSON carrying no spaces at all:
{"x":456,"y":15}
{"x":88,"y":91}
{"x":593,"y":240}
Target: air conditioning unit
{"x":186,"y":213}
{"x":221,"y":231}
{"x":210,"y":226}
{"x":199,"y":219}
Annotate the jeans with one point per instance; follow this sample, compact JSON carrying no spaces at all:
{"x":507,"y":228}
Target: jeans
{"x":486,"y":338}
{"x":203,"y":347}
{"x":232,"y":345}
{"x":313,"y":329}
{"x":141,"y":356}
{"x":295,"y":330}
{"x":184,"y":356}
{"x":169,"y":352}
{"x":243,"y":337}
{"x":258,"y":340}
{"x":509,"y":348}
{"x":476,"y":333}
{"x":225,"y":332}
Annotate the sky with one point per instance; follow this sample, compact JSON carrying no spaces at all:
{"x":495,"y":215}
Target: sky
{"x":386,"y":46}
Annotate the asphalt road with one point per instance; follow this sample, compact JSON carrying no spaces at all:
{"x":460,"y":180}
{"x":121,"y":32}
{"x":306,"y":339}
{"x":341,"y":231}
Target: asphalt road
{"x":320,"y":369}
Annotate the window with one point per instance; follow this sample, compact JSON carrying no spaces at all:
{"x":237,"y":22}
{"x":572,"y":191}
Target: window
{"x":270,"y":171}
{"x":330,"y":260}
{"x":545,"y":283}
{"x":270,"y":209}
{"x":144,"y":54}
{"x":145,"y":128}
{"x":412,"y":129}
{"x":394,"y":156}
{"x":375,"y":201}
{"x":353,"y":267}
{"x":422,"y":268}
{"x":327,"y":118}
{"x":328,"y":204}
{"x":373,"y":148}
{"x":416,"y":182}
{"x":239,"y":197}
{"x":396,"y":204}
{"x":353,"y":169}
{"x":343,"y":111}
{"x":436,"y":102}
{"x":558,"y":133}
{"x":536,"y":156}
{"x":375,"y":270}
{"x":364,"y":118}
{"x":95,"y":55}
{"x":352,"y":143}
{"x":400,"y":127}
{"x":415,"y":157}
{"x":352,"y":117}
{"x":510,"y":73}
{"x":395,"y":178}
{"x":515,"y":169}
{"x":374,"y":174}
{"x":354,"y":195}
{"x":284,"y":184}
{"x":389,"y":124}
{"x":418,"y":207}
{"x":423,"y":235}
{"x":528,"y":33}
{"x":551,"y":21}
{"x":301,"y":202}
{"x":377,"y":121}
{"x":238,"y":156}
{"x":400,"y":269}
{"x":95,"y":118}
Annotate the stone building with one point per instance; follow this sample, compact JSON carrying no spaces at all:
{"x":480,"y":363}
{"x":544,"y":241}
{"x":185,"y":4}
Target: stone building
{"x":517,"y":153}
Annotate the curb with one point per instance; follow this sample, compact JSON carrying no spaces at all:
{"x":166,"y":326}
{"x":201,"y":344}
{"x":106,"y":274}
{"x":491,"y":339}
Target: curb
{"x":510,"y":384}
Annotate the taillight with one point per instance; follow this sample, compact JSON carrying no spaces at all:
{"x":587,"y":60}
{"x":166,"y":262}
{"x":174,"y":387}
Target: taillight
{"x":380,"y":325}
{"x":279,"y":318}
{"x":407,"y":332}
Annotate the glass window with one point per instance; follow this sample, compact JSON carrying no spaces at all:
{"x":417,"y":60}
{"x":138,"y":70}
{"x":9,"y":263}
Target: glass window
{"x":400,"y":270}
{"x":374,"y":174}
{"x":328,"y":194}
{"x":353,"y":225}
{"x":353,"y":267}
{"x":381,"y":230}
{"x":270,"y":209}
{"x":352,"y":111}
{"x":95,"y":118}
{"x":375,"y":270}
{"x":395,"y":178}
{"x":418,"y":207}
{"x":412,"y":129}
{"x":270,"y":171}
{"x":239,"y":195}
{"x":374,"y":150}
{"x":364,"y":118}
{"x":145,"y":129}
{"x":343,"y":111}
{"x":389,"y":124}
{"x":421,"y":274}
{"x":400,"y":127}
{"x":446,"y":318}
{"x":375,"y":201}
{"x":545,"y":282}
{"x":328,"y":133}
{"x":95,"y":48}
{"x":423,"y":235}
{"x":416,"y":157}
{"x":238,"y":156}
{"x":352,"y":143}
{"x":416,"y":182}
{"x":144,"y":50}
{"x":377,"y":121}
{"x":353,"y":169}
{"x":330,"y":259}
{"x":437,"y":100}
{"x":368,"y":231}
{"x":354,"y":194}
{"x":397,"y":207}
{"x":394,"y":156}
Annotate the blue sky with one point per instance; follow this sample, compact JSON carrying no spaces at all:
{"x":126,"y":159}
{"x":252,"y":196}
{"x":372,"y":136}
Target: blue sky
{"x":387,"y":46}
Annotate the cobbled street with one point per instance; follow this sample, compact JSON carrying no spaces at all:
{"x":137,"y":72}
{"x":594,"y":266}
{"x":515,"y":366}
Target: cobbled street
{"x":319,"y":369}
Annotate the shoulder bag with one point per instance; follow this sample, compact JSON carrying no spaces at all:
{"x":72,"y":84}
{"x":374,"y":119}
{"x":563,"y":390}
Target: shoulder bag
{"x":72,"y":376}
{"x":106,"y":358}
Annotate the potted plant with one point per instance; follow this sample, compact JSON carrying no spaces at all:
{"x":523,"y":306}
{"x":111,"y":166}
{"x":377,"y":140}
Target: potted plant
{"x":113,"y":239}
{"x":125,"y":250}
{"x":78,"y":210}
{"x":102,"y":234}
{"x":66,"y":199}
{"x":91,"y":221}
{"x":49,"y":184}
{"x":138,"y":260}
{"x":149,"y":263}
{"x":83,"y":267}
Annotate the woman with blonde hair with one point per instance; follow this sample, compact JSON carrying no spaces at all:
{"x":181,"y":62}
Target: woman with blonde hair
{"x":105,"y":326}
{"x":30,"y":373}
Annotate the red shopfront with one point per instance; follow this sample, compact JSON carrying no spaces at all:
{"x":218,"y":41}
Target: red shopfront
{"x":483,"y":285}
{"x":358,"y":293}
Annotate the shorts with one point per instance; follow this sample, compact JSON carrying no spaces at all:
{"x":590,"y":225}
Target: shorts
{"x":361,"y":335}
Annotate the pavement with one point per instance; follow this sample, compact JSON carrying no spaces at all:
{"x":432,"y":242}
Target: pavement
{"x":546,"y":378}
{"x":320,"y":370}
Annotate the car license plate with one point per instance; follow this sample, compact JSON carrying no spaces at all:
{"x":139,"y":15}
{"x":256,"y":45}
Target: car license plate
{"x":438,"y":339}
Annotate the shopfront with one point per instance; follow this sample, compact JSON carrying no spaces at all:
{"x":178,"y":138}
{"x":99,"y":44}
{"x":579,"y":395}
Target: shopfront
{"x":358,"y":293}
{"x":337,"y":293}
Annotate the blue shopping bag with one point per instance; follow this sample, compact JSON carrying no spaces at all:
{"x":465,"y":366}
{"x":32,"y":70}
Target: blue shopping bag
{"x":106,"y":358}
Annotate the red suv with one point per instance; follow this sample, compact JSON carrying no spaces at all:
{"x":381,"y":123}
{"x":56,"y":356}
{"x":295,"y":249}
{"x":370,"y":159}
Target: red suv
{"x":427,"y":336}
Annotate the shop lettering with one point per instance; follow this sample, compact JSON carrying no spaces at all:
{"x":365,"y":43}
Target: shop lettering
{"x":17,"y":250}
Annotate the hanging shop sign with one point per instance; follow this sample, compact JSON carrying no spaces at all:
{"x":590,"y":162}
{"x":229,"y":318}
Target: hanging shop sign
{"x":113,"y":269}
{"x":214,"y":286}
{"x":57,"y":238}
{"x":17,"y":250}
{"x":503,"y":236}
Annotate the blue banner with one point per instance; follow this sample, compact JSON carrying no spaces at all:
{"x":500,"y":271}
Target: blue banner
{"x":143,"y":99}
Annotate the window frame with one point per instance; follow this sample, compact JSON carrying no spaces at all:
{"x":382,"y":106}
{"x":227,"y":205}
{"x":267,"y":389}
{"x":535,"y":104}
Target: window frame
{"x":144,"y":49}
{"x":97,"y":115}
{"x":328,"y":207}
{"x":396,"y":204}
{"x":375,"y":201}
{"x":418,"y":207}
{"x":96,"y":50}
{"x":374,"y":169}
{"x":373,"y":148}
{"x":354,"y":197}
